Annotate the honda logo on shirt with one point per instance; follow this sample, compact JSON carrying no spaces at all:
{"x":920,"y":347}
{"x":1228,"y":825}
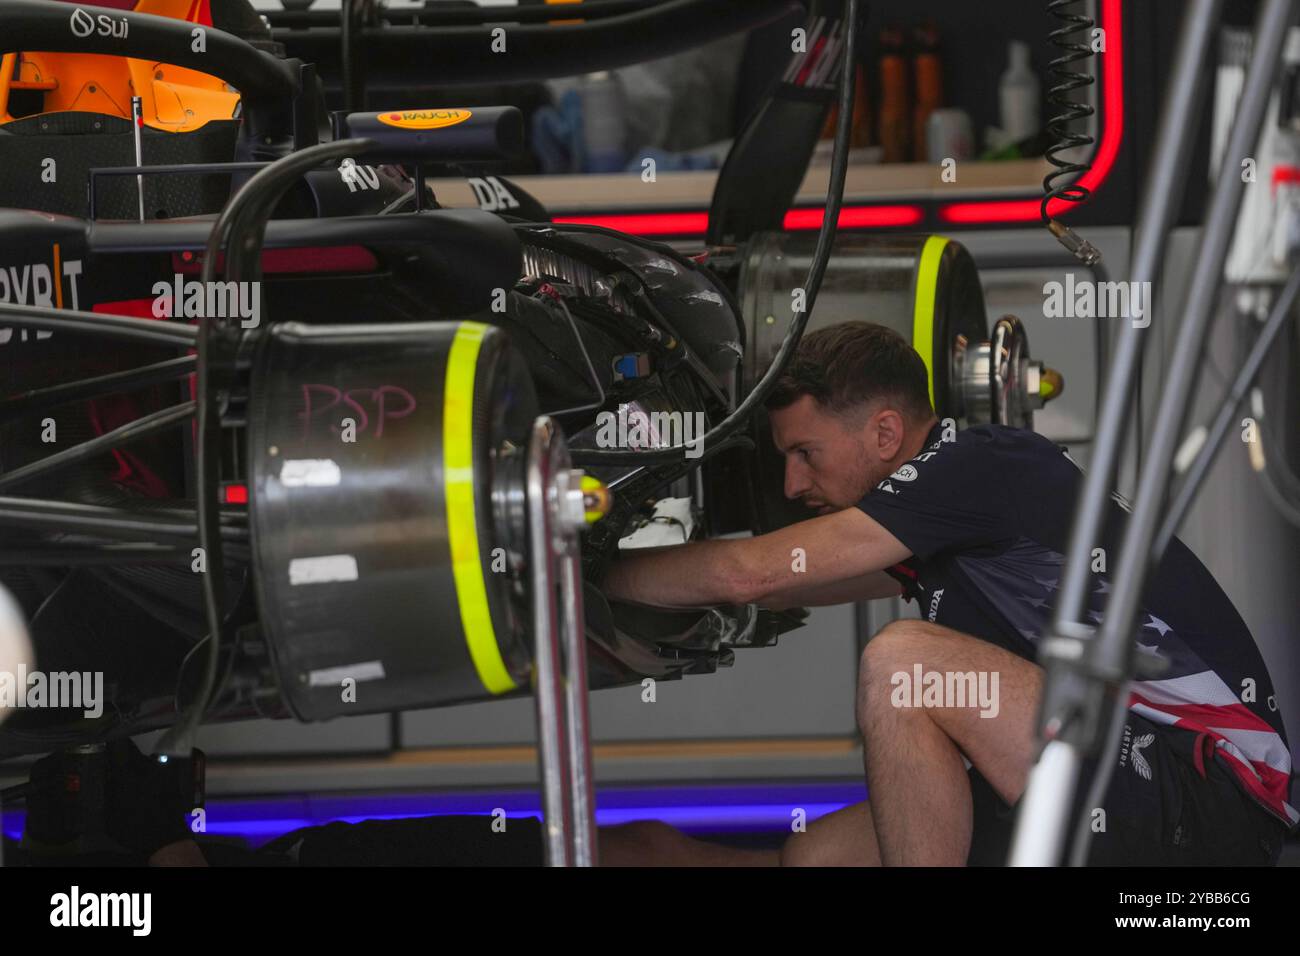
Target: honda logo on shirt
{"x":934,"y":603}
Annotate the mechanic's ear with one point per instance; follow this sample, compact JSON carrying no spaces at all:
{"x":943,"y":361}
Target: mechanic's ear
{"x":889,"y":434}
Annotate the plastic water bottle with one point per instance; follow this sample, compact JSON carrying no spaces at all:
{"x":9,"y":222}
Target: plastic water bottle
{"x":604,"y":125}
{"x":1018,"y":95}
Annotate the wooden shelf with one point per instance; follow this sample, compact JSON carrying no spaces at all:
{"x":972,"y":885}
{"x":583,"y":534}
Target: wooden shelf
{"x":693,"y":190}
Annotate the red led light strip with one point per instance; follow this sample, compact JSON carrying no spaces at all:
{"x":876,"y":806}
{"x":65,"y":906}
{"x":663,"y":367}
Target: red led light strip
{"x":697,"y":223}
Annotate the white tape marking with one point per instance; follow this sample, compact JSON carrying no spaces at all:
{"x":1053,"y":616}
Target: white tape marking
{"x":322,"y":569}
{"x":333,"y":676}
{"x":310,"y":473}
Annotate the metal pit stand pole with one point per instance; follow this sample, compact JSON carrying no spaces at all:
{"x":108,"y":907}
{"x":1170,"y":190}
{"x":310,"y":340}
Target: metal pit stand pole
{"x":1043,"y":821}
{"x":555,"y":514}
{"x":1088,"y":670}
{"x":574,"y":644}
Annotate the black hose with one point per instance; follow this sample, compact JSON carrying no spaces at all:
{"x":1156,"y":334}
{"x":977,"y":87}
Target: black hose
{"x":1059,"y":96}
{"x":812,"y":285}
{"x":350,"y":21}
{"x":100,"y":324}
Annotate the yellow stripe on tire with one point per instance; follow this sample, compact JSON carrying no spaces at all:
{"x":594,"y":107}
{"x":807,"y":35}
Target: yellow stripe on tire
{"x":462,"y":523}
{"x":927,"y":285}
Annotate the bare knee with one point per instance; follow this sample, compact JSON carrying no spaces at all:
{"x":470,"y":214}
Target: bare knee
{"x":894,"y":649}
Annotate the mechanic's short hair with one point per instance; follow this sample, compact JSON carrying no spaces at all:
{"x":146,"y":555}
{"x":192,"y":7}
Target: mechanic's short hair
{"x":846,"y":366}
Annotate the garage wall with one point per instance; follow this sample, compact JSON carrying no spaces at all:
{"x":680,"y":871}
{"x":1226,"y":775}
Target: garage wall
{"x":801,"y":687}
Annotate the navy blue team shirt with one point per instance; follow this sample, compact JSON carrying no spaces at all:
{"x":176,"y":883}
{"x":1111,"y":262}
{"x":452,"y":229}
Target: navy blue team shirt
{"x":987,"y":517}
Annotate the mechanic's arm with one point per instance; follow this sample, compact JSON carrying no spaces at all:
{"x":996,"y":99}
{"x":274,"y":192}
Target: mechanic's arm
{"x":826,"y":555}
{"x":865,"y":587}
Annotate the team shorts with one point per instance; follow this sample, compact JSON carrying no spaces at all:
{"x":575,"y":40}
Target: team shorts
{"x":1169,"y":803}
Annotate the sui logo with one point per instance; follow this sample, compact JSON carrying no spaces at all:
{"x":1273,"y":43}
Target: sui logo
{"x":83,"y":25}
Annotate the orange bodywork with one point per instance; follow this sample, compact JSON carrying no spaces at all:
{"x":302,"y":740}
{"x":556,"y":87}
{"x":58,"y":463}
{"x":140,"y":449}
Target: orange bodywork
{"x":172,"y":98}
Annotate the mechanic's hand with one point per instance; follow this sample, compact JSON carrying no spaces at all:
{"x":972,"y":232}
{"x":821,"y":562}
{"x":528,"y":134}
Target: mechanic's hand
{"x":148,"y":803}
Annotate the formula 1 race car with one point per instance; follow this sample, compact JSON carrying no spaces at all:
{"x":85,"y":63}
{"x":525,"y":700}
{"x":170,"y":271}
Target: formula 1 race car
{"x":232,"y":318}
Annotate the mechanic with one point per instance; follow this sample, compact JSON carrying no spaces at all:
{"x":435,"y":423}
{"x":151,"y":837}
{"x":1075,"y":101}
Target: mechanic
{"x":973,"y":525}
